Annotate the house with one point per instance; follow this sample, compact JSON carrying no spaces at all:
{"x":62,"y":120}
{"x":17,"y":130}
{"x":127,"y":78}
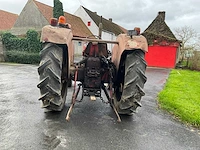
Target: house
{"x":35,"y":15}
{"x":163,"y":47}
{"x":7,"y":20}
{"x":91,"y":19}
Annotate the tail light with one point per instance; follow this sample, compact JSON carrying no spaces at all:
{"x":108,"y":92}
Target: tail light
{"x":61,"y":20}
{"x":54,"y":21}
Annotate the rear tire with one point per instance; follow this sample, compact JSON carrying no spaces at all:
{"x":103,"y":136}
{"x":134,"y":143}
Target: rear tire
{"x":52,"y":88}
{"x":129,"y":90}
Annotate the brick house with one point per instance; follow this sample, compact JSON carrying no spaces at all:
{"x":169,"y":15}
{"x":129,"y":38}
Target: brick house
{"x":7,"y":21}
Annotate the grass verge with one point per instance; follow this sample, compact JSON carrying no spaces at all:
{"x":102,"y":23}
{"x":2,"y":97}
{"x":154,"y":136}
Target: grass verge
{"x":181,"y":96}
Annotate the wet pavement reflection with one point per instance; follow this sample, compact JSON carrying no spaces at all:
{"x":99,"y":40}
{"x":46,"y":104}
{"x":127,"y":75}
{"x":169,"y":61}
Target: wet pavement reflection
{"x":93,"y":124}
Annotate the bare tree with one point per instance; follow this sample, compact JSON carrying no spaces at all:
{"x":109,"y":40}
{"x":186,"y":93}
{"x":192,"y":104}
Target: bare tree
{"x":197,"y":46}
{"x":187,"y":36}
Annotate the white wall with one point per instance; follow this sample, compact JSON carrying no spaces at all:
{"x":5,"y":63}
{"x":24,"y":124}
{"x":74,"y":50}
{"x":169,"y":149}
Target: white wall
{"x":109,"y":36}
{"x":85,"y":17}
{"x":106,"y":35}
{"x":78,"y":47}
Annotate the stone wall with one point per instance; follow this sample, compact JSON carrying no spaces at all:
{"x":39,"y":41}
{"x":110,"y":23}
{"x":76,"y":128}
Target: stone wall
{"x":30,"y":17}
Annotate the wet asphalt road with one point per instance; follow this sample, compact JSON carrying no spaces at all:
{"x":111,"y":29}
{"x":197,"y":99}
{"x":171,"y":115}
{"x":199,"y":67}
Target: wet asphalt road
{"x":93,"y":125}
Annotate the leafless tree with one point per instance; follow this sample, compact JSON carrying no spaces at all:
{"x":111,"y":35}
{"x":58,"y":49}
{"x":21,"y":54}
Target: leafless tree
{"x":198,"y":43}
{"x":187,"y":36}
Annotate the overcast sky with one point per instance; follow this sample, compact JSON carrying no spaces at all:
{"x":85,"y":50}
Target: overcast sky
{"x":129,"y":13}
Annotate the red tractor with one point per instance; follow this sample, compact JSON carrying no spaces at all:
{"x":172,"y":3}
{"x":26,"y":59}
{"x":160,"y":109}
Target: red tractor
{"x":123,"y":70}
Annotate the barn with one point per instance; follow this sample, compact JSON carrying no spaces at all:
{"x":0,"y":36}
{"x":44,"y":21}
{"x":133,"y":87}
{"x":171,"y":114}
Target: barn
{"x":163,"y":47}
{"x":35,"y":15}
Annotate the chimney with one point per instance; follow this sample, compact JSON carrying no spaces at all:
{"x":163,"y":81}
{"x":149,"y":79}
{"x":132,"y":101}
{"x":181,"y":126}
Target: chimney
{"x":162,"y":14}
{"x":110,"y":19}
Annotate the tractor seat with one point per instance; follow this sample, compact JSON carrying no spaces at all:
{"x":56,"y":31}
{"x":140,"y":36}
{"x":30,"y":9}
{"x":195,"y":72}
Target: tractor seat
{"x":94,"y":50}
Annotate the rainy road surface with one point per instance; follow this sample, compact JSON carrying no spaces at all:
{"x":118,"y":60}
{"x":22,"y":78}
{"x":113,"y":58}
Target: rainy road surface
{"x":93,"y":125}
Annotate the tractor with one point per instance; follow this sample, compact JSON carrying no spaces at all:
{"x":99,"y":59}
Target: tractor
{"x":120,"y":74}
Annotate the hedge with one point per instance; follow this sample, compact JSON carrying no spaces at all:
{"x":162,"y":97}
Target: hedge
{"x":22,"y":49}
{"x":30,"y":42}
{"x":22,"y":57}
{"x":194,"y":61}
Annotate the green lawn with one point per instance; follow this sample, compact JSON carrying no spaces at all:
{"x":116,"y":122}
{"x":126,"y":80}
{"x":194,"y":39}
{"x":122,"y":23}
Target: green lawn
{"x":181,"y":96}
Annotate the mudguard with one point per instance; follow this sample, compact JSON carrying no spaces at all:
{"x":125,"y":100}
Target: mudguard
{"x":59,"y":35}
{"x":127,"y":43}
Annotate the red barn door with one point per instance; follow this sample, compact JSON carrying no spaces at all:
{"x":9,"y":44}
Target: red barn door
{"x":161,"y":56}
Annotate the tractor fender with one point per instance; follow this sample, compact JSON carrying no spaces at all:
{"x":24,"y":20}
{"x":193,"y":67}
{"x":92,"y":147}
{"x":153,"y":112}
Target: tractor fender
{"x":56,"y":34}
{"x":59,"y":35}
{"x":127,"y":43}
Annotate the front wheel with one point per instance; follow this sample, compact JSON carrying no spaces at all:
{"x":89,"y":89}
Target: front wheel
{"x":52,"y":87}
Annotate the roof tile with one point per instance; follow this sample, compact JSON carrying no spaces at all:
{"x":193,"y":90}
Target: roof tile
{"x":7,"y":20}
{"x":77,"y":25}
{"x":158,"y":28}
{"x":107,"y":24}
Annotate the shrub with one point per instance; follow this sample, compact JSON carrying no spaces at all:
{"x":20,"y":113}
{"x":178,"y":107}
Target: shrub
{"x":22,"y":57}
{"x":194,"y":62}
{"x":30,"y":43}
{"x":6,"y":39}
{"x":58,"y":9}
{"x":33,"y":42}
{"x":22,"y":49}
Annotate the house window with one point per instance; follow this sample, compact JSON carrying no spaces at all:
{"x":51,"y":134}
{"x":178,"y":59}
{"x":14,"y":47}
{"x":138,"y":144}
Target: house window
{"x":89,"y":23}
